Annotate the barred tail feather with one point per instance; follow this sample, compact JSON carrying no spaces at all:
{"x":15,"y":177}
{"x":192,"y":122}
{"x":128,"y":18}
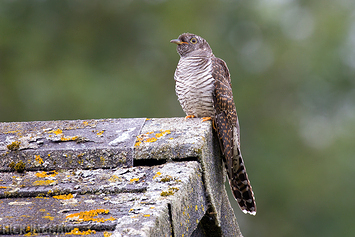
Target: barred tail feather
{"x":240,"y":186}
{"x":237,"y":175}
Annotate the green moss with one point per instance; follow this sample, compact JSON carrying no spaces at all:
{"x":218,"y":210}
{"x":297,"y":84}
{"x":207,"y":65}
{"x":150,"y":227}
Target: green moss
{"x":166,"y":193}
{"x":170,"y":191}
{"x":14,"y":146}
{"x":166,"y":179}
{"x":20,"y":166}
{"x":12,"y":165}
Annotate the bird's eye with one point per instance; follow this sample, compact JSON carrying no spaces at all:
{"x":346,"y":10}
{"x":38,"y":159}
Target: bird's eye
{"x":193,"y":40}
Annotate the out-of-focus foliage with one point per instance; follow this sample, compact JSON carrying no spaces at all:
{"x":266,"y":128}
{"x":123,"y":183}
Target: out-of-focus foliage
{"x":293,"y":73}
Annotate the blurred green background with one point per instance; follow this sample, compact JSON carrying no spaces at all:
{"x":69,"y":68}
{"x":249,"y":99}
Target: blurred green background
{"x":293,"y":73}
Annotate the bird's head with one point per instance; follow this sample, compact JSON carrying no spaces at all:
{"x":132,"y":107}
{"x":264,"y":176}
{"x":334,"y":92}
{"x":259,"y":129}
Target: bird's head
{"x":192,"y":45}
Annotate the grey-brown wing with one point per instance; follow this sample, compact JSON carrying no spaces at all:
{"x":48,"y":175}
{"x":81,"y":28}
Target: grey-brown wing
{"x":227,"y":128}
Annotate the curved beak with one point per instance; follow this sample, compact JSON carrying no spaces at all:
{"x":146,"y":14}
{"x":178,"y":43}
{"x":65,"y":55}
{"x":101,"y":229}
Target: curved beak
{"x":177,"y":41}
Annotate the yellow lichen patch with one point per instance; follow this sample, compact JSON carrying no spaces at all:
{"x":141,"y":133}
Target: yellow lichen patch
{"x":139,"y":140}
{"x":42,"y":210}
{"x":64,"y":139}
{"x":156,"y":175}
{"x":91,"y":123}
{"x":107,"y":234}
{"x":147,"y":215}
{"x":134,"y":180}
{"x":89,"y":216}
{"x":114,"y":178}
{"x":48,"y":217}
{"x":196,"y":208}
{"x":162,"y":133}
{"x":43,"y":182}
{"x":56,"y":132}
{"x":102,"y":159}
{"x":14,"y":146}
{"x":76,"y":231}
{"x":151,"y":139}
{"x":100,"y":133}
{"x":64,"y":197}
{"x":39,"y":159}
{"x":45,"y":174}
{"x":11,"y":132}
{"x":3,"y":187}
{"x":146,"y":138}
{"x":30,"y":233}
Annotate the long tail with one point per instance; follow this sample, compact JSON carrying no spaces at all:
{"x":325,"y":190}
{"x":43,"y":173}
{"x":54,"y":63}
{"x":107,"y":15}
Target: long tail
{"x":238,"y":178}
{"x":240,"y":185}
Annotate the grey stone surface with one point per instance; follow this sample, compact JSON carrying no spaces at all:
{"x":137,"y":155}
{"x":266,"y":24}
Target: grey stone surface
{"x":175,"y":187}
{"x":46,"y":145}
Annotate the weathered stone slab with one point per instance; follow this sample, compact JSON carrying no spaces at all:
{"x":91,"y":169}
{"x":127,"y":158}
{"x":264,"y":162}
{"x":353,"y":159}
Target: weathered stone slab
{"x":75,"y":177}
{"x":133,"y":201}
{"x":102,"y":143}
{"x":171,"y":138}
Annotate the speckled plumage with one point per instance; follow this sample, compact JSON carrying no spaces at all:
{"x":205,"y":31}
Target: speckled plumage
{"x":204,"y":89}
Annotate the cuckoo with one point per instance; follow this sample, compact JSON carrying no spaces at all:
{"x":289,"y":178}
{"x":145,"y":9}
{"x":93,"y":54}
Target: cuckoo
{"x":203,"y":87}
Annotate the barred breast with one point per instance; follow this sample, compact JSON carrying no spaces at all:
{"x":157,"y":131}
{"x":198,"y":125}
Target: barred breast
{"x":194,"y":86}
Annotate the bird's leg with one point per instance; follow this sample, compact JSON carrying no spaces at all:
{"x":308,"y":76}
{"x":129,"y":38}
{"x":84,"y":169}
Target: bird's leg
{"x":190,"y":116}
{"x":204,"y":119}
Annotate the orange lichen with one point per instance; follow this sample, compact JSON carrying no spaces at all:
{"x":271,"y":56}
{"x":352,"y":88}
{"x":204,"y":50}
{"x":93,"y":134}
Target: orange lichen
{"x":134,"y":180}
{"x":64,"y":197}
{"x":151,"y":139}
{"x":100,"y":133}
{"x":11,"y":132}
{"x":156,"y":175}
{"x":107,"y":234}
{"x":89,"y":216}
{"x":39,"y":159}
{"x":43,"y":182}
{"x":56,"y":132}
{"x":64,"y":139}
{"x":3,"y":187}
{"x":162,"y":133}
{"x":30,"y":233}
{"x":146,"y":138}
{"x":114,"y":178}
{"x":45,"y":174}
{"x":76,"y":231}
{"x":48,"y":217}
{"x":39,"y":196}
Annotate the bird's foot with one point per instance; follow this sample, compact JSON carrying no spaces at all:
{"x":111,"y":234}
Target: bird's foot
{"x":190,"y":116}
{"x":204,"y":119}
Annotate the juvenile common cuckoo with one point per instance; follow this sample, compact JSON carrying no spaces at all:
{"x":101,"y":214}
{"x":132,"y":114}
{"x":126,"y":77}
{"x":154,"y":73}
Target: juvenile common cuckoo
{"x":203,"y":87}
